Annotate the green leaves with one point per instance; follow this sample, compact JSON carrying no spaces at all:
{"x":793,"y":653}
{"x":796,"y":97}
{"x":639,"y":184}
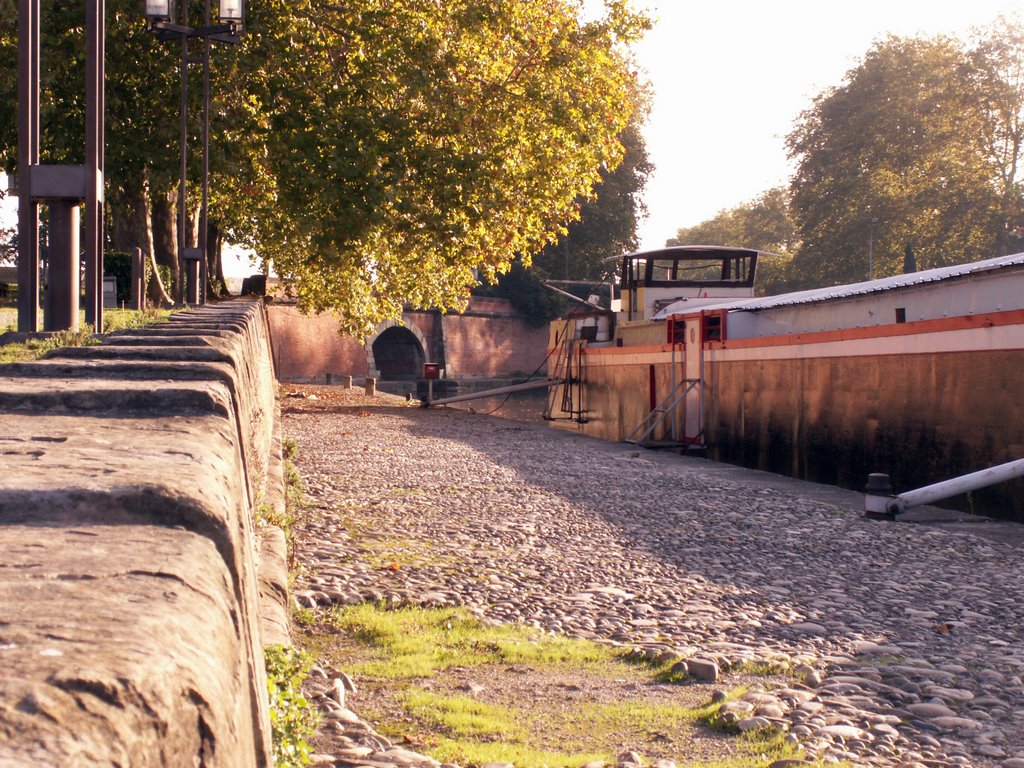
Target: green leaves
{"x":892,"y":158}
{"x":453,"y":137}
{"x":378,"y":152}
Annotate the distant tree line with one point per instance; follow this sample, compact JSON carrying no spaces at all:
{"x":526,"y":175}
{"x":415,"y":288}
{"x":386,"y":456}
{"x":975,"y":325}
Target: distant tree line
{"x":913,"y":161}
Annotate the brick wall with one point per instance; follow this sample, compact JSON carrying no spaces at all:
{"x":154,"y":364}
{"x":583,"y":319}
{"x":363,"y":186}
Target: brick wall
{"x":490,"y":340}
{"x":309,"y":349}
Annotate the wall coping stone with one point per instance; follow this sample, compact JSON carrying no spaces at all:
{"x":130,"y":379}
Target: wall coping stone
{"x":130,"y":625}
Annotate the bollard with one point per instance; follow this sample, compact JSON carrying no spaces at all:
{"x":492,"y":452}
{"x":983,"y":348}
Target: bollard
{"x":346,"y":382}
{"x":138,"y":281}
{"x":371,"y":387}
{"x":877,"y":497}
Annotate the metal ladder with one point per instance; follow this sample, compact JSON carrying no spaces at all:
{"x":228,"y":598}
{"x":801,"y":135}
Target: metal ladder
{"x":569,"y":370}
{"x":666,"y":409}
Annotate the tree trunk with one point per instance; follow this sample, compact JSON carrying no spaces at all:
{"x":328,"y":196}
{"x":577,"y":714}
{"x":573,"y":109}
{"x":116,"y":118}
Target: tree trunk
{"x":159,"y":294}
{"x":165,"y":234}
{"x":215,"y":269}
{"x":129,"y":218}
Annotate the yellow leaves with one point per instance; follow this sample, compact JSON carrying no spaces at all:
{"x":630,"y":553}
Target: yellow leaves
{"x":449,"y":137}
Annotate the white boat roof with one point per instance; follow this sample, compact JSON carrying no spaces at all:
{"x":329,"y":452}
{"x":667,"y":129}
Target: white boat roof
{"x":668,"y":250}
{"x":848,"y":290}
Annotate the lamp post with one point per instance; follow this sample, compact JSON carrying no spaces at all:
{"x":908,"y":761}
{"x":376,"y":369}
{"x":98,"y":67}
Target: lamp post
{"x":62,"y":188}
{"x":190,"y":287}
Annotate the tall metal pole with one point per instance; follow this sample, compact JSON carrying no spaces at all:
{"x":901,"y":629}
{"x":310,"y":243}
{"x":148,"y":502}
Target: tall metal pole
{"x":94,"y":113}
{"x":28,"y":155}
{"x":181,"y":284}
{"x":203,"y":264}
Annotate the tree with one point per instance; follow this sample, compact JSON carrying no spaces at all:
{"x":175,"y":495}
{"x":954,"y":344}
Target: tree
{"x":608,"y":218}
{"x":522,"y":286}
{"x":451,"y":137}
{"x":141,"y":156}
{"x":891,"y":157}
{"x":764,"y":224}
{"x":375,"y":152}
{"x":997,"y":69}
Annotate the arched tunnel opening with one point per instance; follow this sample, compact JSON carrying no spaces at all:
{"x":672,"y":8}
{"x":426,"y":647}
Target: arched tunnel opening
{"x":398,"y":354}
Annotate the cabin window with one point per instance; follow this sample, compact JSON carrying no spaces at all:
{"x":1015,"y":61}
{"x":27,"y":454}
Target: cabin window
{"x":901,"y":314}
{"x":713,"y":328}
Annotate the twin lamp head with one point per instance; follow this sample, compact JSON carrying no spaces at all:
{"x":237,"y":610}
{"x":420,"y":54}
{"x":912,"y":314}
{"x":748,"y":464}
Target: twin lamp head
{"x":230,"y":11}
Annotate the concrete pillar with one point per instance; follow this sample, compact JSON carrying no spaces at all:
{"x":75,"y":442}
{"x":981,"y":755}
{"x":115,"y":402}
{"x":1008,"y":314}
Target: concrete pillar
{"x":371,"y":387}
{"x":60,"y":308}
{"x":192,"y":281}
{"x":346,"y":382}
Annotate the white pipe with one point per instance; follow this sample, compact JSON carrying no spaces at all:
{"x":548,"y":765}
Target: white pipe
{"x":947,"y":488}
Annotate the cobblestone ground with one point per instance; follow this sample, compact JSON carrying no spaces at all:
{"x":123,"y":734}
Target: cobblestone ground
{"x":909,"y":641}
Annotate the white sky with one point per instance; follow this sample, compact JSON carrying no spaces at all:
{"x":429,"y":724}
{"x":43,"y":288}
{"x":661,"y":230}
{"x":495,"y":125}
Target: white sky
{"x":730,"y":78}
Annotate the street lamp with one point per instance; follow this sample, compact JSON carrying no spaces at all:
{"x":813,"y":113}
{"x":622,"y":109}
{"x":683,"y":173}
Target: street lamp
{"x":159,"y":10}
{"x":192,"y":261}
{"x":232,"y":11}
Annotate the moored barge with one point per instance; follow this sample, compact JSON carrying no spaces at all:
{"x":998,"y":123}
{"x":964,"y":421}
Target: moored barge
{"x":919,"y":375}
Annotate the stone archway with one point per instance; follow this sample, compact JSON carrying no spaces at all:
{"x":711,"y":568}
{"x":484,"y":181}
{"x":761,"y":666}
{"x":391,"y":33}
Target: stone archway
{"x":396,"y":352}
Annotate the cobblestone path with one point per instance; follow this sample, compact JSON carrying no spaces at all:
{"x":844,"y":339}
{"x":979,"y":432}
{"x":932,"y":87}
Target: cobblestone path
{"x":909,"y":641}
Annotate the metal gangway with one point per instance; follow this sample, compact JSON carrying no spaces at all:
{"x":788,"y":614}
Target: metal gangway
{"x":665,"y":413}
{"x":570,"y":387}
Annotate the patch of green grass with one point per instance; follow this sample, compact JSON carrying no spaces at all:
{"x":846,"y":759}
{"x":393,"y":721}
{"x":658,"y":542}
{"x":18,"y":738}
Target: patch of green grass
{"x":638,"y":715}
{"x":766,"y":746}
{"x":113,"y":320}
{"x":417,"y":642}
{"x":478,"y":753}
{"x":124,"y":319}
{"x":666,"y":674}
{"x":293,"y":719}
{"x":395,"y":552}
{"x":294,"y":486}
{"x":289,"y":449}
{"x":403,"y":646}
{"x":765,"y":668}
{"x":758,"y":748}
{"x":34,"y":349}
{"x":304,"y":617}
{"x":463,"y":716}
{"x":710,"y":714}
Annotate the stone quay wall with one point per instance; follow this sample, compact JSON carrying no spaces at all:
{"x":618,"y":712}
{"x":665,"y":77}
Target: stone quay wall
{"x":132,"y":581}
{"x":491,"y":339}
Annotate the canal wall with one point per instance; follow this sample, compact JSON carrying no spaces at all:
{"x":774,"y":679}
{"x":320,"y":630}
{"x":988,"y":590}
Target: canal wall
{"x":491,"y":339}
{"x":133,"y":576}
{"x":935,"y":400}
